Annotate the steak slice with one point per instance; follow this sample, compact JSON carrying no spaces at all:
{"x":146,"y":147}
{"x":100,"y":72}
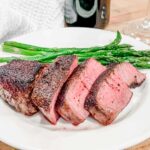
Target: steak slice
{"x":108,"y":96}
{"x":72,"y":97}
{"x":128,"y":73}
{"x":49,"y":83}
{"x":16,"y":84}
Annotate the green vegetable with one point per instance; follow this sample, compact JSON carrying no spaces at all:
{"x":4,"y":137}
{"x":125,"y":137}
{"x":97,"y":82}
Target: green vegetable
{"x":7,"y":59}
{"x":110,"y":53}
{"x":21,"y":51}
{"x":37,"y":48}
{"x":116,"y":41}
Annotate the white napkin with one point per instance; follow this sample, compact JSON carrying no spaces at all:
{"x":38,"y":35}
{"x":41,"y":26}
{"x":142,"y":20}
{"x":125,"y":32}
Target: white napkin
{"x":22,"y":16}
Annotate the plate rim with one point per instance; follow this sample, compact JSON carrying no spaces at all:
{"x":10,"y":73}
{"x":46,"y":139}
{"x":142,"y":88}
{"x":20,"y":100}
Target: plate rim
{"x":132,"y":142}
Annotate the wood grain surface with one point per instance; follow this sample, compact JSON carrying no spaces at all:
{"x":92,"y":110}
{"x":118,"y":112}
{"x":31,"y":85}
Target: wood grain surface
{"x":122,"y":11}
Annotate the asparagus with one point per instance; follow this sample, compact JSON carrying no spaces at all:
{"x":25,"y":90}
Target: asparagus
{"x":110,"y":53}
{"x":21,"y":51}
{"x":141,"y":62}
{"x":29,"y":58}
{"x":7,"y":59}
{"x":118,"y":53}
{"x":111,"y":45}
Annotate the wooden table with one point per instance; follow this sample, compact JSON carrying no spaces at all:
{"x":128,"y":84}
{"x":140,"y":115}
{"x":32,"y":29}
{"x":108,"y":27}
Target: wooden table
{"x":122,"y":11}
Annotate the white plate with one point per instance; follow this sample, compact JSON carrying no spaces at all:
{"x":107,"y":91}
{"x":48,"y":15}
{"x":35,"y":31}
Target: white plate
{"x":35,"y":133}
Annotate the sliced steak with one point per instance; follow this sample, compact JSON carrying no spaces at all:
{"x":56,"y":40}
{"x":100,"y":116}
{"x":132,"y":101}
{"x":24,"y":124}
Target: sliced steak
{"x":108,"y":96}
{"x":49,"y":83}
{"x":128,"y":73}
{"x":72,"y":97}
{"x":16,"y":84}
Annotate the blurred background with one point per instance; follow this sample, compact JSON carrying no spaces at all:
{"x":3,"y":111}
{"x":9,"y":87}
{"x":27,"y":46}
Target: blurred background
{"x":22,"y":16}
{"x":124,"y":11}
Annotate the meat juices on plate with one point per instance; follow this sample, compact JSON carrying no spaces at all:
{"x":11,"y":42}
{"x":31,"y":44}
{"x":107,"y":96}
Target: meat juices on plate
{"x":16,"y":84}
{"x":49,"y":83}
{"x":70,"y":104}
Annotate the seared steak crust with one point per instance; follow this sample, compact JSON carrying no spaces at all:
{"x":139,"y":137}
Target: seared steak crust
{"x":16,"y":84}
{"x":19,"y":73}
{"x":48,"y":85}
{"x":128,"y":73}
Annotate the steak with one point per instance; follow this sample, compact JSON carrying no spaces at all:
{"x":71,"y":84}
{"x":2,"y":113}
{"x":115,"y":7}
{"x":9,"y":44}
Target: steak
{"x":49,"y":83}
{"x":70,"y":104}
{"x":108,"y":96}
{"x":16,"y":84}
{"x":128,"y":73}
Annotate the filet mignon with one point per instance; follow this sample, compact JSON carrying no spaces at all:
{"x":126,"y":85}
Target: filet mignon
{"x":49,"y":83}
{"x":108,"y":96}
{"x":16,"y":84}
{"x":70,"y":104}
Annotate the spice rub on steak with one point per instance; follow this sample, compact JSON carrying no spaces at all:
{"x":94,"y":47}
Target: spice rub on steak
{"x":49,"y":83}
{"x":70,"y":104}
{"x":108,"y":96}
{"x":128,"y":73}
{"x":16,"y":84}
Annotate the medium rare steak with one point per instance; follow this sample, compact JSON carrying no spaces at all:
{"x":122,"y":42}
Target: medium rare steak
{"x":128,"y":73}
{"x":72,"y":97}
{"x":108,"y":96}
{"x":49,"y":83}
{"x":16,"y":84}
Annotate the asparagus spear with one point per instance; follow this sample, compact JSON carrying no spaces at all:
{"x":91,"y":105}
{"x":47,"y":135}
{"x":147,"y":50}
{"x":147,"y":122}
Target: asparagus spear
{"x":21,"y":51}
{"x":141,"y":62}
{"x":37,"y":48}
{"x":7,"y":59}
{"x":26,"y":52}
{"x":112,"y":52}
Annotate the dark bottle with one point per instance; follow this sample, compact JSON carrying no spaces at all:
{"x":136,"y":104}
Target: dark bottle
{"x":87,"y":13}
